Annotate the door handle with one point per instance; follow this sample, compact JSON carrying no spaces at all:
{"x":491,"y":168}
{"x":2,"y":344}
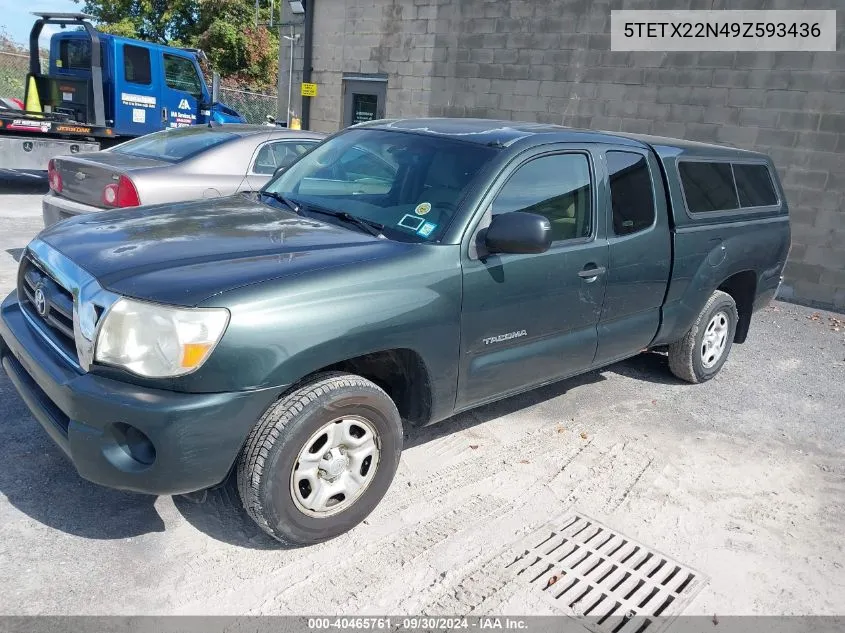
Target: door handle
{"x":164,"y":115}
{"x":591,"y":273}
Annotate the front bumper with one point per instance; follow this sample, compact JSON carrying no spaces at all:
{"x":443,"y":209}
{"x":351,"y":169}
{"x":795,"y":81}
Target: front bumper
{"x":195,"y":437}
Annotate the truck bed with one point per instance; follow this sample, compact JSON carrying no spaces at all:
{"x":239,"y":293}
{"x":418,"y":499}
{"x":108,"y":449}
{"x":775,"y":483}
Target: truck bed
{"x":742,"y":251}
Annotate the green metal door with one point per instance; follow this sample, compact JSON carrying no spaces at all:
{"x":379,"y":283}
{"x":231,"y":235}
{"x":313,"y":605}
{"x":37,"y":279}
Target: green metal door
{"x":531,"y":319}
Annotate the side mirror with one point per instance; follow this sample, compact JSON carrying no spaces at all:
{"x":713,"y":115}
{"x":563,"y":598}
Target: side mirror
{"x":215,"y":87}
{"x":279,"y":170}
{"x":518,"y":232}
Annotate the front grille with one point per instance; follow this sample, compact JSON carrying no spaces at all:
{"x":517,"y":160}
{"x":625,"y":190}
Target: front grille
{"x":54,"y":311}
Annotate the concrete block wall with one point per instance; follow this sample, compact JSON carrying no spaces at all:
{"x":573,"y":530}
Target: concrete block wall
{"x":395,"y":37}
{"x":550,"y":61}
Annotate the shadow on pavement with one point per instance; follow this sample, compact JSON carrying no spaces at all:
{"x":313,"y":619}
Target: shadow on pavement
{"x":220,"y":514}
{"x":23,"y":183}
{"x":38,"y":480}
{"x":480,"y":415}
{"x":651,"y":366}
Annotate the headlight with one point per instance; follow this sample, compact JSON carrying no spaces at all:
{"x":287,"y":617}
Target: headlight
{"x":158,"y":341}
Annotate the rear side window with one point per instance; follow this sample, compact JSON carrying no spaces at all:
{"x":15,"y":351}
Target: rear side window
{"x":136,"y":65}
{"x":274,"y":155}
{"x":708,"y":186}
{"x":754,"y":185}
{"x":631,"y":193}
{"x":75,"y":54}
{"x":287,"y":153}
{"x":265,"y":162}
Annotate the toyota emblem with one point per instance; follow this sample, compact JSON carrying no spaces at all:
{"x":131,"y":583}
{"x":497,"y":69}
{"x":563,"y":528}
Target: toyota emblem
{"x":40,"y":301}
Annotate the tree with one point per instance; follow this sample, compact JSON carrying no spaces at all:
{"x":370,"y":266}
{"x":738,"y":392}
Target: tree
{"x":245,"y":55}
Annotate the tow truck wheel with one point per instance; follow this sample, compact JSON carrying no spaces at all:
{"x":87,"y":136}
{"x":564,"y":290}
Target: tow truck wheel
{"x":705,"y":347}
{"x":320,"y":458}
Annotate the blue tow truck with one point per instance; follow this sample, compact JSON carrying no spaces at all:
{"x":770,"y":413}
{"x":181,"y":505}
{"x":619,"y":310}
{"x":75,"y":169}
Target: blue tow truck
{"x":102,"y":89}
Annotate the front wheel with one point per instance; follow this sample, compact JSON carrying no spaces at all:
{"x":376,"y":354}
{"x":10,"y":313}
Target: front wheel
{"x":705,"y":347}
{"x":320,"y":459}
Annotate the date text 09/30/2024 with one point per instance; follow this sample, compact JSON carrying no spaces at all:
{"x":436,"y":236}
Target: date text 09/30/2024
{"x":417,"y":623}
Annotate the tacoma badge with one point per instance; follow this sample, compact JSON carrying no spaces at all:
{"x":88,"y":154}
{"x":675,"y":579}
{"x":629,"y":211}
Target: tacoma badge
{"x":505,"y":337}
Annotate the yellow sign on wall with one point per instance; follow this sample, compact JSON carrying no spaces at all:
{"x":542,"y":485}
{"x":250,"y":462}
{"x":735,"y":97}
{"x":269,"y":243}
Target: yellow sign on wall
{"x":309,"y":90}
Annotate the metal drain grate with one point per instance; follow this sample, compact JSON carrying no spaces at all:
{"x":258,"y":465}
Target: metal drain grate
{"x":619,"y":585}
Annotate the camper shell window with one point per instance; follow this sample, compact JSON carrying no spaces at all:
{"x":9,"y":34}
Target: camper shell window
{"x":723,"y":186}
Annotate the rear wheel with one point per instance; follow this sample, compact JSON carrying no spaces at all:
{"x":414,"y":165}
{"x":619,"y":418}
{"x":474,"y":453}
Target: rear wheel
{"x":705,"y":347}
{"x":320,"y":459}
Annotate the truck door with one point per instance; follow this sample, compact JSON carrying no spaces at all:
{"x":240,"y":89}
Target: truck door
{"x":531,"y":319}
{"x":640,"y":254}
{"x":181,"y":92}
{"x":137,"y":95}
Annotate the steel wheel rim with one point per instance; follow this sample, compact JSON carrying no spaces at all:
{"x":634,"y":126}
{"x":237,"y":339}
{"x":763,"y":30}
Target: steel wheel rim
{"x":715,"y":339}
{"x":335,"y":466}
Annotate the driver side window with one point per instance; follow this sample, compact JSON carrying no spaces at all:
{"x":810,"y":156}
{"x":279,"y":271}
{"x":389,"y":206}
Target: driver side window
{"x":180,"y":74}
{"x":558,"y":187}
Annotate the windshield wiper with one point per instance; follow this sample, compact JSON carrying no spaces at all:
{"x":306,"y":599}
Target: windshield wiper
{"x":370,"y":226}
{"x":284,"y":200}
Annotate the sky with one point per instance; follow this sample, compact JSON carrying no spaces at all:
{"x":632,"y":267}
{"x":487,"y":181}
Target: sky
{"x":16,"y":17}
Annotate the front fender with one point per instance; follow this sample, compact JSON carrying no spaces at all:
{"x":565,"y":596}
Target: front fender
{"x":283,"y":330}
{"x":221,"y":113}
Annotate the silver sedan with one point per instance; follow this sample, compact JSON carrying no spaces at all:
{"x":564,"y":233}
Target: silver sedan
{"x":176,"y":164}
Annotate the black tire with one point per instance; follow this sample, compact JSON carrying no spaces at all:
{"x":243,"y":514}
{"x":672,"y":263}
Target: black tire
{"x":273,"y":447}
{"x":685,"y":356}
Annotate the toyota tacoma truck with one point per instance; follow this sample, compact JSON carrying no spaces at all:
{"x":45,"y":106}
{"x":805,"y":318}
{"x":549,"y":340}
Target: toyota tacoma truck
{"x":399,"y":273}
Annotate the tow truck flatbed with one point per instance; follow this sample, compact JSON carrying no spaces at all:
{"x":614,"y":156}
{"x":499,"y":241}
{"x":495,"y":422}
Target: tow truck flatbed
{"x":99,"y":89}
{"x":28,"y":142}
{"x":45,"y":125}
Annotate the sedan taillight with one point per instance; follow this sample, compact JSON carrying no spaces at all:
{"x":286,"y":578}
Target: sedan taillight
{"x":121,"y":194}
{"x":54,"y":176}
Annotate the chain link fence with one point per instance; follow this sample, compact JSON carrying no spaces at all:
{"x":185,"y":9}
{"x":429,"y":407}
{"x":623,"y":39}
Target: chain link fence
{"x":254,"y":106}
{"x":13,"y":70}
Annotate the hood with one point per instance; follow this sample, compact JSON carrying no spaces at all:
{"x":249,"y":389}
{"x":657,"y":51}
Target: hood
{"x":186,"y":252}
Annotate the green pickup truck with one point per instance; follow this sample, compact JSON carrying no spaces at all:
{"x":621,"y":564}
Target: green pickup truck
{"x":400,"y":272}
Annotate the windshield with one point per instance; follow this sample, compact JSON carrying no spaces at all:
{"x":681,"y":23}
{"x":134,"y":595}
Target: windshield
{"x":175,"y":144}
{"x":411,"y":184}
